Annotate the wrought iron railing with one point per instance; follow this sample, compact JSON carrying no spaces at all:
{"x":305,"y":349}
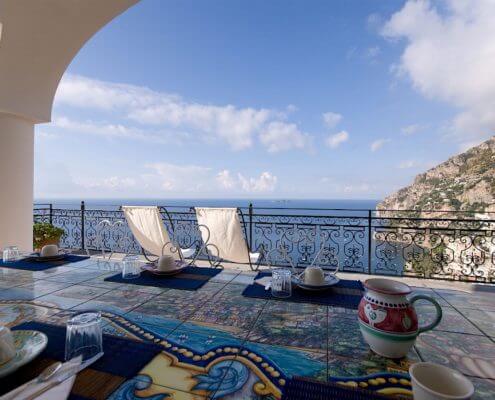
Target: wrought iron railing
{"x":444,"y":245}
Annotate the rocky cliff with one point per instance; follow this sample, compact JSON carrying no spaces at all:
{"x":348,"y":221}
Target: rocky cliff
{"x":465,"y":182}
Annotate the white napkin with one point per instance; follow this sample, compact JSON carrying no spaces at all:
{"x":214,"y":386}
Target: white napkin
{"x":59,"y":392}
{"x":264,"y":281}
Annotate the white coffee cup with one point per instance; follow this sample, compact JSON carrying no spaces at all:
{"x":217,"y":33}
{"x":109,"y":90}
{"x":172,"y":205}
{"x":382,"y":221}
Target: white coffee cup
{"x":166,"y":263}
{"x":7,"y":347}
{"x":436,"y":382}
{"x":49,"y":250}
{"x":314,"y":276}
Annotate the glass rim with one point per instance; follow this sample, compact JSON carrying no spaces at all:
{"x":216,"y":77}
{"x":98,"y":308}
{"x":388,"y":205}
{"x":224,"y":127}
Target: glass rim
{"x":85,"y":318}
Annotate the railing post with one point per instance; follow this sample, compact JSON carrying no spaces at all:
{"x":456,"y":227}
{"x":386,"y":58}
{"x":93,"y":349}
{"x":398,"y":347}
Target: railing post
{"x":369,"y":240}
{"x":83,"y":208}
{"x":251,"y":226}
{"x":50,"y":216}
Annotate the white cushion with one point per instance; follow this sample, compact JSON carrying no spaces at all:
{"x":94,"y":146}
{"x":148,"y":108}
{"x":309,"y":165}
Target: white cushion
{"x":187,"y":253}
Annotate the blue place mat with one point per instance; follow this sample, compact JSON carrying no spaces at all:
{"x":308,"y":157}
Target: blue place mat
{"x":122,"y":360}
{"x":308,"y":389}
{"x":29,"y":265}
{"x":191,"y":278}
{"x":346,"y":293}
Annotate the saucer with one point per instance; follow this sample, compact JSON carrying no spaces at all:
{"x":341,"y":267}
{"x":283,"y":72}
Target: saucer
{"x":330,"y":280}
{"x":151,"y":268}
{"x":38,"y":258}
{"x":28,"y":345}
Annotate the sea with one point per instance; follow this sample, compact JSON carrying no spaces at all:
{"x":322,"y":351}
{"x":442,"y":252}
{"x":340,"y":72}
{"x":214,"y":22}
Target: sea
{"x":282,"y":206}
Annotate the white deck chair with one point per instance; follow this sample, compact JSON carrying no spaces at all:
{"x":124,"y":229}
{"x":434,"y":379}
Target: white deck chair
{"x":226,"y":235}
{"x":147,"y":227}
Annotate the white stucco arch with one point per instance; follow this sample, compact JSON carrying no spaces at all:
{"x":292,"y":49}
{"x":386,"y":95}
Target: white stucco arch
{"x":38,"y":40}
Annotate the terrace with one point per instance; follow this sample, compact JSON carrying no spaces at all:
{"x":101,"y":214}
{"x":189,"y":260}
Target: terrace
{"x":214,"y":341}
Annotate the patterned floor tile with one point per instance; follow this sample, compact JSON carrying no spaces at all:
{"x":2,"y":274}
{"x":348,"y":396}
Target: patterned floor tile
{"x":225,"y":276}
{"x":479,"y":301}
{"x":292,"y":324}
{"x":101,"y":283}
{"x":288,"y":361}
{"x":32,"y":291}
{"x":16,"y":312}
{"x":485,"y":320}
{"x":472,"y":355}
{"x":72,"y":296}
{"x":117,"y":299}
{"x":452,"y":320}
{"x":178,"y":304}
{"x":429,"y":292}
{"x":76,"y":276}
{"x":51,"y":272}
{"x":370,"y":364}
{"x":484,"y":389}
{"x":236,"y":314}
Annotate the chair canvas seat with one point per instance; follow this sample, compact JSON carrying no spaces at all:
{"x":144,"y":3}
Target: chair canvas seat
{"x":225,"y":234}
{"x":254,"y":257}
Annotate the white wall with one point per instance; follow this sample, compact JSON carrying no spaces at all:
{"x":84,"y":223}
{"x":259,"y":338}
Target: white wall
{"x":16,"y":182}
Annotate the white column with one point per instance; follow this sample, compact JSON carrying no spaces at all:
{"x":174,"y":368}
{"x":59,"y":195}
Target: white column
{"x":16,"y":181}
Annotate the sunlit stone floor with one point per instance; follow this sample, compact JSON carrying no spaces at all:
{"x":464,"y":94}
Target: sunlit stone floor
{"x":266,"y":341}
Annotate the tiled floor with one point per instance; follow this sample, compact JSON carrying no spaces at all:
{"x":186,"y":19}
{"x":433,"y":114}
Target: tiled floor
{"x":251,"y":345}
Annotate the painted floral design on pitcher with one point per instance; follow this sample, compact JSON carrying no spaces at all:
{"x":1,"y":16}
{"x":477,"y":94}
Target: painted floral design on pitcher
{"x":387,"y":318}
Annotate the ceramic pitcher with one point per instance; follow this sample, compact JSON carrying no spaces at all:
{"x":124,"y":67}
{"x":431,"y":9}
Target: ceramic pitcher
{"x":387,"y":318}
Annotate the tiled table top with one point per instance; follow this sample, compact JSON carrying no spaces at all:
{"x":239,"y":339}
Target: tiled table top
{"x":251,"y":345}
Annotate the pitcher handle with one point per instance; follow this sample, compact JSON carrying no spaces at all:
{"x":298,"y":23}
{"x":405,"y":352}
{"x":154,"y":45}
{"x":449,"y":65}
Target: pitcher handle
{"x":438,"y":309}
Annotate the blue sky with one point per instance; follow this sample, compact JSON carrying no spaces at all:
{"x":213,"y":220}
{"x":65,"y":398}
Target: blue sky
{"x":278,"y":99}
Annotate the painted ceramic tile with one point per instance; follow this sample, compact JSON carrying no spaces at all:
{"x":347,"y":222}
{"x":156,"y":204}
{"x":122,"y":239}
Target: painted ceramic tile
{"x":51,"y":272}
{"x":452,"y":320}
{"x":31,"y":291}
{"x":16,"y":312}
{"x":76,"y":276}
{"x":292,"y":324}
{"x":225,"y":276}
{"x":124,"y":300}
{"x":101,"y":283}
{"x":472,"y":355}
{"x":72,"y":296}
{"x":345,"y":338}
{"x":371,"y":363}
{"x":479,"y":301}
{"x":234,"y":316}
{"x":485,"y":320}
{"x":174,"y":303}
{"x":484,"y":389}
{"x":429,"y":292}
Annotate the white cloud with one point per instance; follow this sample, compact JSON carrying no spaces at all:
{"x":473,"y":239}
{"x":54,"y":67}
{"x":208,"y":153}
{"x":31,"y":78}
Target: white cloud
{"x":265,"y":183}
{"x":334,"y":141}
{"x":113,"y":182}
{"x":412,"y":129}
{"x":281,"y":136}
{"x":178,"y":178}
{"x":331,"y":119}
{"x":233,"y":125}
{"x":225,"y":179}
{"x":450,"y":56}
{"x":378,"y":144}
{"x":118,"y":131}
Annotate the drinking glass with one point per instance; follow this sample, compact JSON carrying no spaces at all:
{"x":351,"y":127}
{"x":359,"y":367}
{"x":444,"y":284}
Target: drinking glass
{"x":281,"y":282}
{"x":84,"y":336}
{"x":131,"y":267}
{"x":11,"y":253}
